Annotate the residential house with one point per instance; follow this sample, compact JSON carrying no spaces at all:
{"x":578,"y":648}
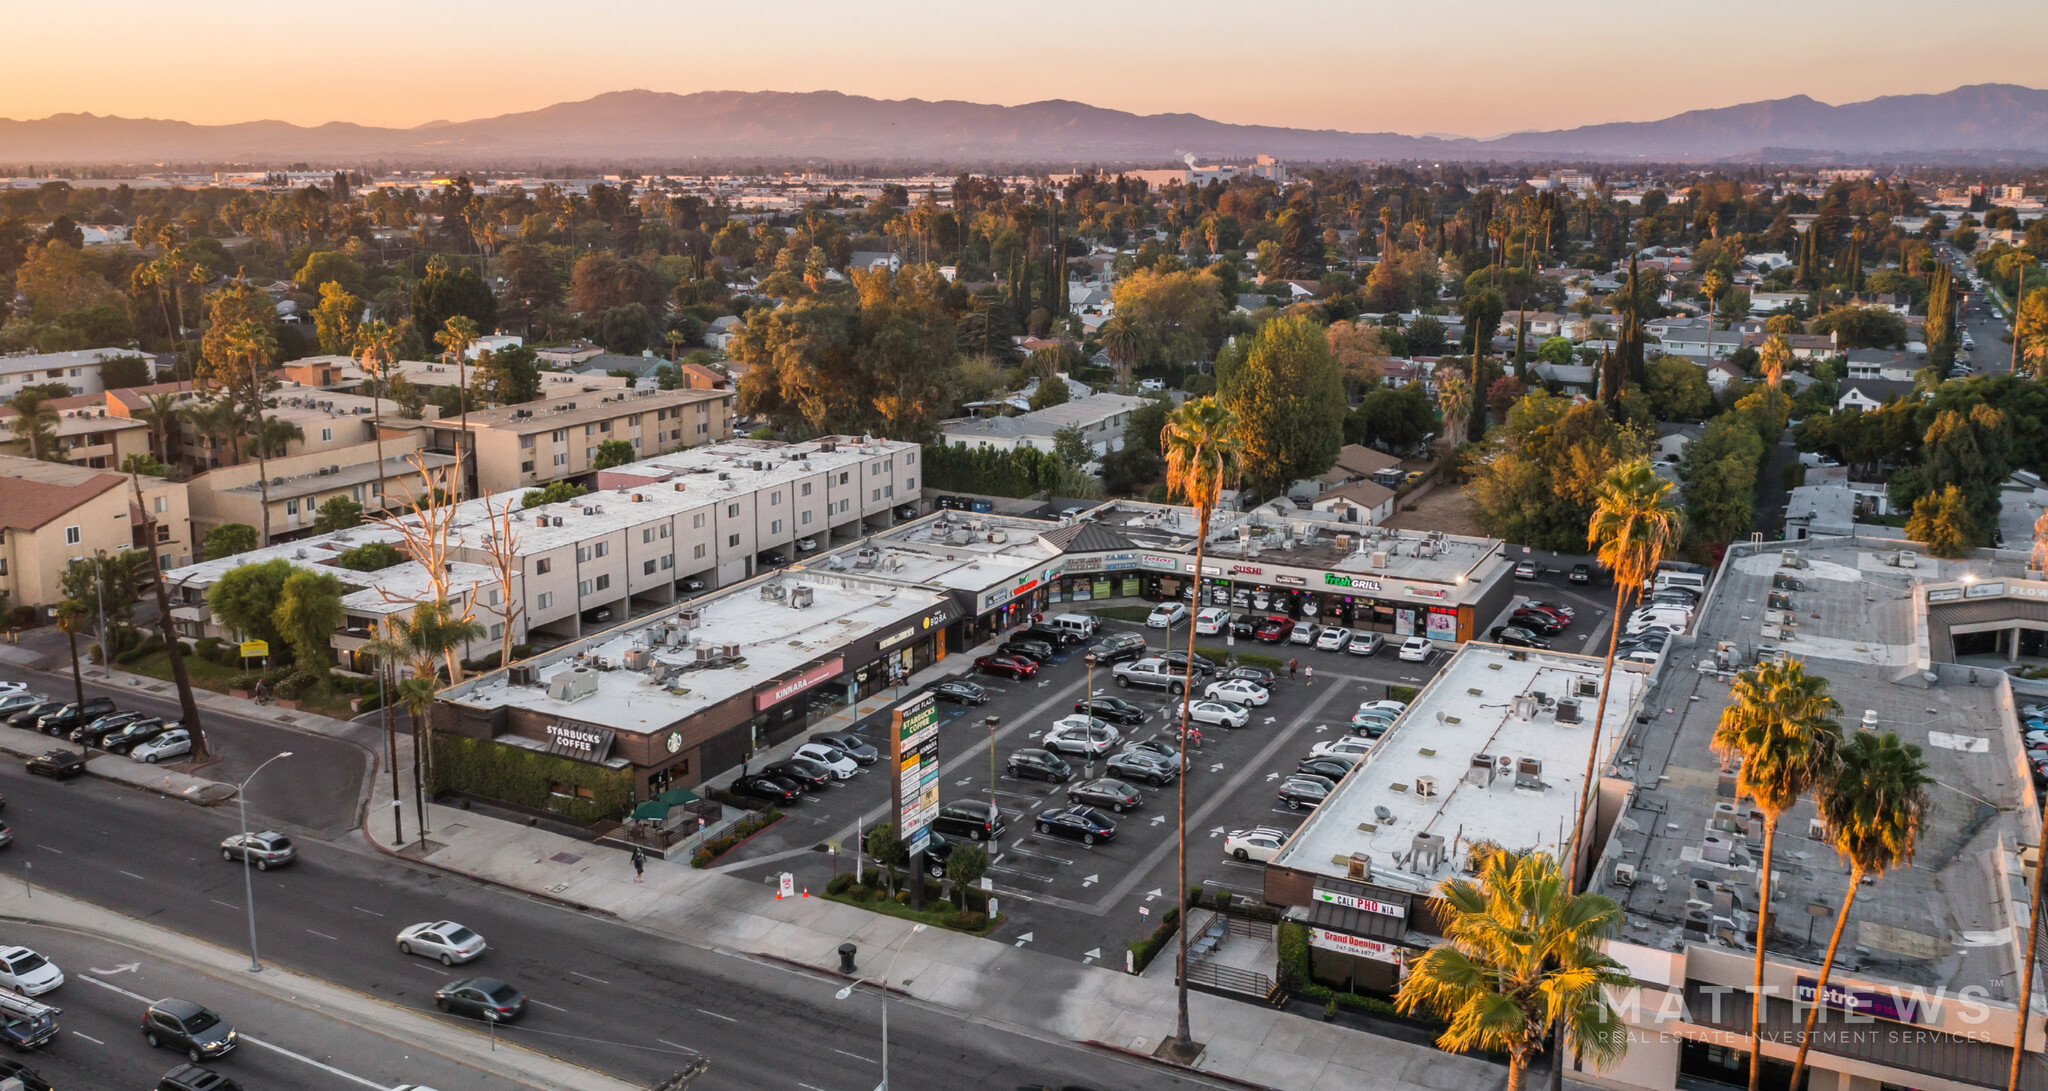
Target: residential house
{"x":698,"y":377}
{"x":719,"y":335}
{"x":1804,"y":346}
{"x":1871,"y":393}
{"x":1100,"y":417}
{"x":301,"y":482}
{"x":1899,"y":303}
{"x":1886,"y":364}
{"x":1567,"y":378}
{"x":1542,"y":324}
{"x":79,"y":370}
{"x":1721,"y":374}
{"x":85,"y":433}
{"x":874,"y":259}
{"x":1367,"y":502}
{"x":1773,"y":302}
{"x":1700,"y":343}
{"x":51,"y":513}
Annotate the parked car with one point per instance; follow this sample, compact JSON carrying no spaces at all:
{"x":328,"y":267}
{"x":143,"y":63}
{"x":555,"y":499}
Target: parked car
{"x":1274,"y":630}
{"x":1563,"y":611}
{"x":1540,"y":622}
{"x":1591,"y":575}
{"x":13,"y":1069}
{"x":9,"y":686}
{"x":444,"y":940}
{"x":72,"y":715}
{"x":1054,"y":635}
{"x":1014,"y":667}
{"x":1106,"y":792}
{"x":1177,"y":660}
{"x":1654,"y":640}
{"x":1143,"y":765}
{"x":1417,"y":649}
{"x":831,"y":757}
{"x":974,"y":819}
{"x":762,"y":786}
{"x":849,"y":744}
{"x":1211,"y":620}
{"x":1645,"y":656}
{"x":192,"y":1077}
{"x":813,"y":775}
{"x":805,"y":545}
{"x":1114,"y":709}
{"x":27,"y":972}
{"x":775,"y":558}
{"x":1035,"y":764}
{"x":1393,"y":707}
{"x":1350,"y":746}
{"x":1219,"y":712}
{"x":1527,"y":570}
{"x":1258,"y":676}
{"x":1303,"y":632}
{"x":1084,"y":824}
{"x":1371,"y":724}
{"x":482,"y":997}
{"x":141,"y":731}
{"x":91,"y":733}
{"x":19,"y":701}
{"x":57,"y":764}
{"x":1330,"y":766}
{"x":33,"y":714}
{"x":266,"y":850}
{"x":1237,"y":692}
{"x":906,"y":511}
{"x":1117,"y":647}
{"x":1304,"y":791}
{"x":1086,"y":736}
{"x":693,"y":585}
{"x":173,"y":743}
{"x":1166,"y":615}
{"x":960,"y":691}
{"x":197,"y":1032}
{"x":1333,"y":639}
{"x":1165,"y":746}
{"x":1514,"y":636}
{"x":1260,"y":843}
{"x":1244,"y":628}
{"x":1038,"y":651}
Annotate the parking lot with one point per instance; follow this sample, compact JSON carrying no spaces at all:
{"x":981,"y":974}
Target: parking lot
{"x":1081,"y":901}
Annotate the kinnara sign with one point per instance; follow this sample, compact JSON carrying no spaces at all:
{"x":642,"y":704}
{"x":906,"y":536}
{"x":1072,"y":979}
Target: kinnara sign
{"x":831,"y":668}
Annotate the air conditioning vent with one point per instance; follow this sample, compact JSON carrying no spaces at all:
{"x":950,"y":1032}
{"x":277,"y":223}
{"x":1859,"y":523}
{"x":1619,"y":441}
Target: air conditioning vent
{"x":1624,"y":875}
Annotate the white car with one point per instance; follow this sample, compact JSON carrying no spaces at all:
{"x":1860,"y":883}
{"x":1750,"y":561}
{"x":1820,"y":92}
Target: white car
{"x":1237,"y":691}
{"x":2036,"y":737}
{"x":1211,"y":620}
{"x":1417,"y":649}
{"x":1394,"y":707}
{"x":1333,"y":639}
{"x":1080,"y":739}
{"x":805,"y":545}
{"x":445,"y":940}
{"x":1260,"y":843}
{"x":1637,"y":655}
{"x":1219,"y":712}
{"x":13,"y":687}
{"x":1350,"y":746}
{"x":28,"y":973}
{"x":1304,"y":632}
{"x":1669,"y":620}
{"x":1363,"y":643}
{"x":175,"y":743}
{"x":1166,"y":615}
{"x":831,"y":757}
{"x":1095,"y":723}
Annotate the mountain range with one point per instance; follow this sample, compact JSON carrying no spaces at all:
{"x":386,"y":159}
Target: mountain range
{"x":1982,"y":122}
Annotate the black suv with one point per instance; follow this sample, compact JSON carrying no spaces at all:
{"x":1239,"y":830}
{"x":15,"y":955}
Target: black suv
{"x":1178,"y":660}
{"x":1040,"y":765}
{"x":1058,"y":638}
{"x":134,"y":734}
{"x":1038,"y":651}
{"x":93,"y":731}
{"x":73,"y":715}
{"x":32,"y":715}
{"x":973,"y":819}
{"x":1114,"y":709}
{"x":1117,"y":647}
{"x":186,"y":1026}
{"x":191,"y":1077}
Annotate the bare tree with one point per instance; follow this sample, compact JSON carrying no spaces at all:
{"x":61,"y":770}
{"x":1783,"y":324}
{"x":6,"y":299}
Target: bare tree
{"x":424,"y":525}
{"x":502,"y":542}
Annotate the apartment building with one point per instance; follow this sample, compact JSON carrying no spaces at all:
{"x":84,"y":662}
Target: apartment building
{"x":51,"y":513}
{"x":87,"y":434}
{"x":300,"y":483}
{"x":526,"y":446}
{"x":79,"y":370}
{"x":342,"y":373}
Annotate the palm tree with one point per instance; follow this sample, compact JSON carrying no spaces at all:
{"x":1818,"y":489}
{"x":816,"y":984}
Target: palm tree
{"x":377,"y":344}
{"x":35,"y":420}
{"x":1872,"y":805}
{"x":252,"y":342}
{"x":1454,"y":401}
{"x":1124,"y":343}
{"x":219,"y":421}
{"x":455,"y":339}
{"x":1635,"y":523}
{"x":420,"y":641}
{"x":1201,"y":461}
{"x":1775,"y":354}
{"x":157,"y":411}
{"x":1711,"y":286}
{"x":278,"y":435}
{"x":1778,"y":722}
{"x":1524,"y":952}
{"x":71,"y":616}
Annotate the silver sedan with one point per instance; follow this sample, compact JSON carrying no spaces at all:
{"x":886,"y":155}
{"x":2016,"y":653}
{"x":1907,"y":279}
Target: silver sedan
{"x":445,"y":940}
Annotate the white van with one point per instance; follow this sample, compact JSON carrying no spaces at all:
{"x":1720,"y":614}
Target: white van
{"x":1211,"y":620}
{"x":1080,"y":626}
{"x":1695,"y":582}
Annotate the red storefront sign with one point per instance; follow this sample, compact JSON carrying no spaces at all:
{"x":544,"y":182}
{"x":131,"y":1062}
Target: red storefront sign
{"x":829,"y":669}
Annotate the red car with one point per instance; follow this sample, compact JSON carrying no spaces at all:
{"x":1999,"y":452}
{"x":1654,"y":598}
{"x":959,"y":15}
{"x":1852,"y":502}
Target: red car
{"x":1274,"y":630}
{"x":1013,"y":666}
{"x":1557,"y":616}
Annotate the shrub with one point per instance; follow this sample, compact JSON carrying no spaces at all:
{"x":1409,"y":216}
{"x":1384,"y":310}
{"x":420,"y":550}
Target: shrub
{"x":858,"y":892}
{"x":522,"y":651}
{"x":1402,"y":693}
{"x":245,"y":681}
{"x":1144,"y":950}
{"x":206,"y":647}
{"x":185,"y":647}
{"x":297,"y":684}
{"x":969,"y":921}
{"x":524,"y":777}
{"x":838,"y":883}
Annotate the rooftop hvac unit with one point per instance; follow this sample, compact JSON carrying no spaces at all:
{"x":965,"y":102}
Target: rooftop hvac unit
{"x":1525,"y":707}
{"x":333,"y":469}
{"x":522,"y":674}
{"x":1715,"y":848}
{"x":690,"y":617}
{"x":1426,"y":853}
{"x":1425,"y":786}
{"x":639,"y":659}
{"x":639,"y":498}
{"x":730,"y":651}
{"x":558,"y":520}
{"x":1585,"y":687}
{"x":1567,"y":711}
{"x":1359,"y":867}
{"x":800,"y":599}
{"x":573,"y":684}
{"x":588,"y":510}
{"x":679,"y":486}
{"x":1624,"y":874}
{"x":1343,"y":543}
{"x":1379,"y":558}
{"x":1529,"y":773}
{"x":706,"y":653}
{"x":774,"y":591}
{"x":1480,"y":774}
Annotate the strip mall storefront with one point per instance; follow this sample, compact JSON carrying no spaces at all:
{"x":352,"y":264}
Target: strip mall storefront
{"x":797,"y":701}
{"x":994,"y":610}
{"x":1130,"y":575}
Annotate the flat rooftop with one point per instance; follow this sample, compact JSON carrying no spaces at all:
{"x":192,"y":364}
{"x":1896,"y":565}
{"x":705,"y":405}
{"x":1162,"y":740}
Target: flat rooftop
{"x":350,"y":474}
{"x":773,"y":638}
{"x":565,"y":411}
{"x":1935,"y":923}
{"x":1488,"y":700}
{"x":954,"y":550}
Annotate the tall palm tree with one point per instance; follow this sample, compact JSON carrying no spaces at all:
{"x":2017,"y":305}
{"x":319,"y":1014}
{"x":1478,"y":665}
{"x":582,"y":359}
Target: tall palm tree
{"x":1711,"y":286}
{"x":1524,"y":953}
{"x":420,"y":641}
{"x":377,"y":350}
{"x":1773,"y":358}
{"x":220,"y":422}
{"x":1201,"y":461}
{"x":1124,"y":343}
{"x":157,"y":411}
{"x":1636,"y":521}
{"x":252,"y":343}
{"x":1779,"y":723}
{"x":1872,"y":805}
{"x":1454,"y":401}
{"x":455,"y":339}
{"x":35,"y":421}
{"x":278,"y":435}
{"x":72,"y":616}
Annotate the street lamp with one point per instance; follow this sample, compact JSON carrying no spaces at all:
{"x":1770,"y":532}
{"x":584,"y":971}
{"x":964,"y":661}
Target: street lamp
{"x":886,"y":974}
{"x":248,"y":884}
{"x":992,"y":721}
{"x":1090,"y":660}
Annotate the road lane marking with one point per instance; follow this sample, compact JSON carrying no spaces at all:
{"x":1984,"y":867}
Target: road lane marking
{"x":809,"y":1087}
{"x":88,"y":1037}
{"x":132,"y":875}
{"x":431,"y":970}
{"x":327,"y":1068}
{"x":547,"y":1005}
{"x":715,"y":1015}
{"x":371,"y":912}
{"x":217,"y":901}
{"x":324,"y":935}
{"x":587,"y":977}
{"x":679,"y":1045}
{"x":47,"y":848}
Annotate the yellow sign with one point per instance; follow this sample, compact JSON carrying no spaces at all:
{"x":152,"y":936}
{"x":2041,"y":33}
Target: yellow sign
{"x":253,"y":648}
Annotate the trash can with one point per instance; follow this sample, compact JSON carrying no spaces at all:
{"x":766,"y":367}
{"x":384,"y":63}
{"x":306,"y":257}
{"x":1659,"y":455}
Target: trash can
{"x":846,"y":953}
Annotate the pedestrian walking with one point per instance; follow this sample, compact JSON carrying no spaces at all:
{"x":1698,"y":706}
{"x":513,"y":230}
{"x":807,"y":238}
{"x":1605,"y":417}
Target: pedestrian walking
{"x":639,"y":864}
{"x":262,"y":693}
{"x":1293,"y":668}
{"x":1309,"y":675}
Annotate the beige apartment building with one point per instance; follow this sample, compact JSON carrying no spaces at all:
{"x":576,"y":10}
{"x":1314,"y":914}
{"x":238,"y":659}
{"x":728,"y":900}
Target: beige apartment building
{"x":51,"y":512}
{"x":86,"y":433}
{"x":342,"y":373}
{"x":531,"y":445}
{"x":299,"y":484}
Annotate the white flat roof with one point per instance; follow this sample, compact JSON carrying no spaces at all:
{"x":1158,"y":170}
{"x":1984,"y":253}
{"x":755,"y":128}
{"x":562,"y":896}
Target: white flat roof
{"x":773,"y":638}
{"x":1467,"y":710}
{"x":954,"y":550}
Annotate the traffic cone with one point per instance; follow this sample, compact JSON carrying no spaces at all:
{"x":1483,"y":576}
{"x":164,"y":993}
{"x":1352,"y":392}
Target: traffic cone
{"x":807,"y":892}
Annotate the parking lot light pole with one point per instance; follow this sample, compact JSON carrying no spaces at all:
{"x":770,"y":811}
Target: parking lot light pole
{"x":1090,"y":660}
{"x":886,"y":975}
{"x":992,"y":721}
{"x":248,"y":884}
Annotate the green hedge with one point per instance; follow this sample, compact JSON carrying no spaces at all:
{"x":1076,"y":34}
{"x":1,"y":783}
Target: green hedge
{"x":1294,"y":977}
{"x":1404,"y":694}
{"x":523,"y":777}
{"x":726,"y":842}
{"x":1145,"y":950}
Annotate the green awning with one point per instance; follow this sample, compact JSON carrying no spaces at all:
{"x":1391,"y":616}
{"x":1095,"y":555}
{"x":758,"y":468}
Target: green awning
{"x":653,"y":810}
{"x":676,"y":797}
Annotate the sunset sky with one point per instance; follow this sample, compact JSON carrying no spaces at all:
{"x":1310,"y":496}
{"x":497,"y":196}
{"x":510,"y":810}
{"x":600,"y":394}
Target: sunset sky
{"x":1469,"y":67}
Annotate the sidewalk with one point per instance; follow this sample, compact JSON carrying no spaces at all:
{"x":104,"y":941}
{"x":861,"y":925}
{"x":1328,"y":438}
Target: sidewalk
{"x":29,"y":744}
{"x":415,"y":1030}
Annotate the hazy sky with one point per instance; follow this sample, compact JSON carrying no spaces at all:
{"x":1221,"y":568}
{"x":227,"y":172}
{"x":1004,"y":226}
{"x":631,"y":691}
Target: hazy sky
{"x":1472,"y":67}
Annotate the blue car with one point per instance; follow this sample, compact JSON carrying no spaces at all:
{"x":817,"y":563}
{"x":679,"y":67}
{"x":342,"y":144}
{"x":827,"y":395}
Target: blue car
{"x":1084,"y":824}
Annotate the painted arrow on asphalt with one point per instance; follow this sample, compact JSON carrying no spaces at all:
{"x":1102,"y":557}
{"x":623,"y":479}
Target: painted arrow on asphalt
{"x":1023,"y":939}
{"x":1216,"y":768}
{"x":1320,"y":728}
{"x":1153,"y":893}
{"x":1093,"y":954}
{"x":1272,"y":719}
{"x":1158,"y":819}
{"x":963,"y":782}
{"x":1091,"y":881}
{"x":1272,"y":776}
{"x":1217,"y":832}
{"x":121,"y":968}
